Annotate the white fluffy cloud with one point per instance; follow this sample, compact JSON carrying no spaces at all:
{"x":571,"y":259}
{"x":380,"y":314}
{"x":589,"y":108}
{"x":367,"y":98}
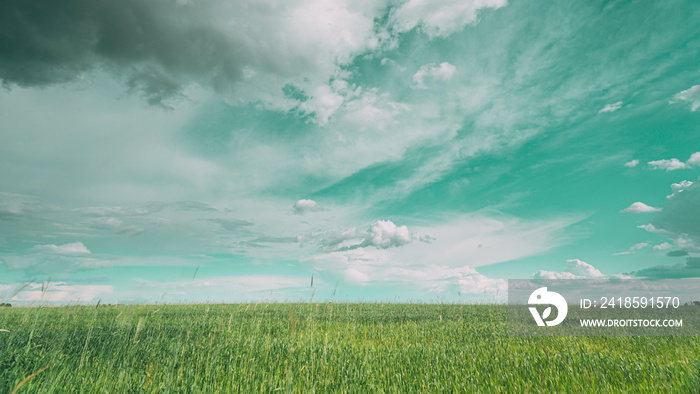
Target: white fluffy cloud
{"x":303,"y":206}
{"x":667,"y":164}
{"x":694,"y":160}
{"x":640,"y":207}
{"x":632,"y":163}
{"x":675,"y":164}
{"x":691,"y":95}
{"x":440,"y":17}
{"x":385,"y":234}
{"x":663,"y":246}
{"x":679,"y":187}
{"x":611,"y":107}
{"x":382,"y":234}
{"x":327,"y":99}
{"x":443,"y":72}
{"x":575,"y":269}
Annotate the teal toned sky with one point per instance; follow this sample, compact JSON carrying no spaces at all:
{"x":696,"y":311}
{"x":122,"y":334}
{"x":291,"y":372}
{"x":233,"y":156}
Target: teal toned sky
{"x":193,"y":151}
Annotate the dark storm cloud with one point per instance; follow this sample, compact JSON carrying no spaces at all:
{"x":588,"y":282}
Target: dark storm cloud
{"x":158,"y":46}
{"x":689,"y":269}
{"x":680,"y":217}
{"x":677,"y":253}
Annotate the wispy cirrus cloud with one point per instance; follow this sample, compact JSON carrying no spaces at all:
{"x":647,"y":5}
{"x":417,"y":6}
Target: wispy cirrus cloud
{"x":440,"y":18}
{"x":33,"y":293}
{"x":611,"y":107}
{"x":47,"y":259}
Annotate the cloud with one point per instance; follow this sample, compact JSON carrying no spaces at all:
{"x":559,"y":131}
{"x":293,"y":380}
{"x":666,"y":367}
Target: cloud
{"x":650,"y":228}
{"x":677,"y":188}
{"x":326,"y":100}
{"x":384,"y":267}
{"x":239,"y":288}
{"x":382,"y":234}
{"x":611,"y":107}
{"x":675,"y":164}
{"x":640,"y":207}
{"x":441,"y":263}
{"x":575,"y":269}
{"x":663,"y":246}
{"x":680,"y":217}
{"x":57,"y":42}
{"x":113,"y":224}
{"x":67,"y":249}
{"x":60,"y":292}
{"x":667,"y":164}
{"x":632,"y":163}
{"x":694,"y":160}
{"x":231,"y":224}
{"x":242,"y":283}
{"x":440,"y":18}
{"x":633,"y":249}
{"x":438,"y":279}
{"x":246,"y":50}
{"x":689,"y":269}
{"x":639,"y":246}
{"x":442,"y":72}
{"x":48,"y":259}
{"x":168,"y":233}
{"x":677,"y":253}
{"x":691,"y":95}
{"x":113,"y":211}
{"x":303,"y":206}
{"x":464,"y":240}
{"x":20,"y":206}
{"x":581,"y":268}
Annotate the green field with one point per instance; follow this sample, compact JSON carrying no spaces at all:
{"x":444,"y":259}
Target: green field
{"x":322,"y":348}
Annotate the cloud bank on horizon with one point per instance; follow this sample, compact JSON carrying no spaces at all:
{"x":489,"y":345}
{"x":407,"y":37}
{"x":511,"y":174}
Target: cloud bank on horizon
{"x":392,"y":150}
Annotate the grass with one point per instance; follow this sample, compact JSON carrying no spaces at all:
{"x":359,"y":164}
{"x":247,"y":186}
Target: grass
{"x":322,"y":348}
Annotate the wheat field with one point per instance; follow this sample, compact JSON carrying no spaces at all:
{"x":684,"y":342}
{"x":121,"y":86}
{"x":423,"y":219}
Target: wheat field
{"x":321,"y":347}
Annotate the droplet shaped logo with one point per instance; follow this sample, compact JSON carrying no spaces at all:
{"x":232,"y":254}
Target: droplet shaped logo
{"x":543,"y":297}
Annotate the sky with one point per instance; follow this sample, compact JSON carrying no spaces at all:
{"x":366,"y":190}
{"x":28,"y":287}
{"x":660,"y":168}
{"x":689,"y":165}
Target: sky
{"x":330,"y":150}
